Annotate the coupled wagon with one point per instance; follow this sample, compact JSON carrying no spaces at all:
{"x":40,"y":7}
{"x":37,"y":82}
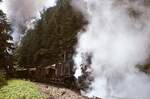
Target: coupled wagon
{"x":61,"y":73}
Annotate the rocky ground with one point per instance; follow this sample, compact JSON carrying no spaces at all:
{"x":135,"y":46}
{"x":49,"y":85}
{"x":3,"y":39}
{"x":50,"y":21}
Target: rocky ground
{"x":53,"y":92}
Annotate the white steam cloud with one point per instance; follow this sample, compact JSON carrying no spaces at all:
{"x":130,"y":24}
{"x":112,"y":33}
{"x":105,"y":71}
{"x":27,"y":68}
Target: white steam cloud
{"x":22,"y":13}
{"x":118,"y":38}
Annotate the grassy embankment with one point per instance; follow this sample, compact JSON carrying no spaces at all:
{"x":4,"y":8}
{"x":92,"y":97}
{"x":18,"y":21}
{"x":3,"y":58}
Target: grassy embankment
{"x":20,"y":89}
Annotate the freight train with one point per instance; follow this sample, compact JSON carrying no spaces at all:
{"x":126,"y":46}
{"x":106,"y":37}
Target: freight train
{"x":61,"y":74}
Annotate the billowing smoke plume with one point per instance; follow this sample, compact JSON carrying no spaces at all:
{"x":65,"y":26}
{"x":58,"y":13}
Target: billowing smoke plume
{"x":118,"y":39}
{"x":22,"y":13}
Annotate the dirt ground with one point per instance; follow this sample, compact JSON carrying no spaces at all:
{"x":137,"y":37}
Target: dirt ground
{"x":53,"y":92}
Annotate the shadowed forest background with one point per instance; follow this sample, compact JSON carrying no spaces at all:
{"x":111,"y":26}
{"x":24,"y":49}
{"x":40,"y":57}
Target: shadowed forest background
{"x":53,"y":38}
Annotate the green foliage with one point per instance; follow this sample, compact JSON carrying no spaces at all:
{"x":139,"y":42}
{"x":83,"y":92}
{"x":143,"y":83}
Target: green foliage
{"x":5,"y":46}
{"x":19,"y":89}
{"x":53,"y":38}
{"x":2,"y":80}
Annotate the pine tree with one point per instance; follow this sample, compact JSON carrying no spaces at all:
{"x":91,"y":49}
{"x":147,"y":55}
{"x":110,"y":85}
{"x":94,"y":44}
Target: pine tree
{"x":5,"y":46}
{"x":53,"y":38}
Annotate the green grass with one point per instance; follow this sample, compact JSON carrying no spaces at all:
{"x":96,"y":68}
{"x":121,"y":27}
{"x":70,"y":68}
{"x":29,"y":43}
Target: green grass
{"x":2,"y":80}
{"x":20,"y":89}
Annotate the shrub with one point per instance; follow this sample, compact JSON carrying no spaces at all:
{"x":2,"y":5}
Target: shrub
{"x":20,"y":89}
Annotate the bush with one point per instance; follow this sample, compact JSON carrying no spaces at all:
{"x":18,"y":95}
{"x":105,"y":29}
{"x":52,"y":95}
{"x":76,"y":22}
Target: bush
{"x":20,"y":89}
{"x":2,"y":80}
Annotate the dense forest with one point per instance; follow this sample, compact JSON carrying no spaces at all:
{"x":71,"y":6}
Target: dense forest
{"x":6,"y":46}
{"x":53,"y":39}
